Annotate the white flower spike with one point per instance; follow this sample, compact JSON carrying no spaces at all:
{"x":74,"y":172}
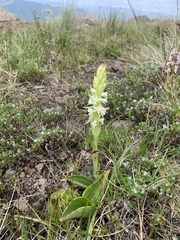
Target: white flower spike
{"x":96,"y":111}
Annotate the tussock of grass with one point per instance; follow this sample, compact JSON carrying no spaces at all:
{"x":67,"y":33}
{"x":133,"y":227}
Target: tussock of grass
{"x":46,"y":69}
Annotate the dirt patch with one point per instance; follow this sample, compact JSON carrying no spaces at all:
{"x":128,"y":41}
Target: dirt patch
{"x":141,"y":19}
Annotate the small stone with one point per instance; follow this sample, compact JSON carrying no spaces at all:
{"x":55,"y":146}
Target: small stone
{"x":10,"y":173}
{"x":22,"y":175}
{"x":21,"y":204}
{"x":39,"y":167}
{"x":42,"y":183}
{"x":31,"y":171}
{"x":38,"y":205}
{"x":120,"y":124}
{"x":63,"y":156}
{"x":65,"y":185}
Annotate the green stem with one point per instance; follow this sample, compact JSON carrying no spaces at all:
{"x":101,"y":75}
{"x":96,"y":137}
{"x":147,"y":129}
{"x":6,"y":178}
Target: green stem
{"x":91,"y":226}
{"x":96,"y":165}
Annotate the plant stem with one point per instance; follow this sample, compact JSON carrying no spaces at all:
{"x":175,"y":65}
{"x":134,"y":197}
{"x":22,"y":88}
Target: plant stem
{"x":96,"y":164}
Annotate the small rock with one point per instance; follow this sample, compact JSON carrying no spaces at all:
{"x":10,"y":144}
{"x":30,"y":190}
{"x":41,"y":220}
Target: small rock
{"x":21,"y":204}
{"x":65,"y":185}
{"x":31,"y":171}
{"x":38,"y":205}
{"x":42,"y":183}
{"x":22,"y":175}
{"x":120,"y":124}
{"x":10,"y":173}
{"x":82,"y":26}
{"x":39,"y":167}
{"x":117,"y":66}
{"x":63,"y":156}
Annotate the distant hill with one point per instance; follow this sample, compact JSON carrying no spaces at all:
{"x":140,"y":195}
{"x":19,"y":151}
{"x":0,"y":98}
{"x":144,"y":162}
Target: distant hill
{"x":25,"y":10}
{"x":122,"y":12}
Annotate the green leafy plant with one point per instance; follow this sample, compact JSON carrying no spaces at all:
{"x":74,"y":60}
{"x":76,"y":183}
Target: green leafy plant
{"x":58,"y":202}
{"x":86,"y":206}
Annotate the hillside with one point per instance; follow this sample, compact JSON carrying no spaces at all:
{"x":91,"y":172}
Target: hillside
{"x":7,"y":16}
{"x":8,"y":19}
{"x":26,"y":10}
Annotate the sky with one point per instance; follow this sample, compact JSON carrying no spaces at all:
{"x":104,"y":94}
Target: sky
{"x":158,"y":6}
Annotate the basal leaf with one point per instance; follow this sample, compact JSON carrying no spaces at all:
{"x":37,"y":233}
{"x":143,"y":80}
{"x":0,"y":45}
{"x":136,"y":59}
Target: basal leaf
{"x":96,"y":190}
{"x":79,"y":180}
{"x":78,"y":208}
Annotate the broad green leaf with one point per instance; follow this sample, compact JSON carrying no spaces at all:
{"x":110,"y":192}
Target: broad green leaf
{"x":96,"y":190}
{"x":79,"y":180}
{"x":78,"y":208}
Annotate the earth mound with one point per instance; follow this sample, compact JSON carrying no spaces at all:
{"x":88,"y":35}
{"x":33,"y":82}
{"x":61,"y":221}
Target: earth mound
{"x":8,"y":19}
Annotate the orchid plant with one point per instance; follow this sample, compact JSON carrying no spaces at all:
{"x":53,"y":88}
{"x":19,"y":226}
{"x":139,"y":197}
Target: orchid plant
{"x":85,"y":206}
{"x":96,"y":111}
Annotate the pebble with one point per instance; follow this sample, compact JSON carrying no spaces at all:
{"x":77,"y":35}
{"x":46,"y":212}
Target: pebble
{"x":120,"y":124}
{"x":42,"y":183}
{"x":39,"y":167}
{"x":21,"y":204}
{"x":10,"y":173}
{"x":31,"y":171}
{"x":63,"y":156}
{"x":22,"y":175}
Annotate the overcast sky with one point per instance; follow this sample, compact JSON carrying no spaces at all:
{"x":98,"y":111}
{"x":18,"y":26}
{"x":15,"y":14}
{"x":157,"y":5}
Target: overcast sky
{"x":159,"y":6}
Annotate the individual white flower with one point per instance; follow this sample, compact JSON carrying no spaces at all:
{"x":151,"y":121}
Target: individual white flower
{"x":90,"y":110}
{"x":104,"y":94}
{"x":165,"y":126}
{"x":90,"y":102}
{"x":94,"y":100}
{"x":145,"y":173}
{"x":101,"y":110}
{"x":94,"y":124}
{"x":103,"y":100}
{"x":104,"y":97}
{"x":134,"y":191}
{"x":101,"y":121}
{"x":142,"y":191}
